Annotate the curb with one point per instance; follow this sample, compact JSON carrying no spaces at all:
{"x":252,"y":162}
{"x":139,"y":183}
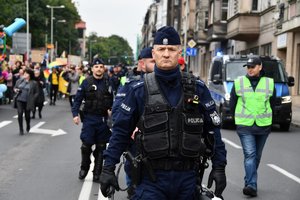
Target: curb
{"x":295,"y":124}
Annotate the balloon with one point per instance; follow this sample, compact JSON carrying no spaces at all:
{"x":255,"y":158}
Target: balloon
{"x":1,"y":95}
{"x":3,"y":88}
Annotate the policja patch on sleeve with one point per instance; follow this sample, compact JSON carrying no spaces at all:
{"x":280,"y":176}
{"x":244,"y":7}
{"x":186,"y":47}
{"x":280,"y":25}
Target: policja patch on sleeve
{"x":215,"y":118}
{"x":125,"y":107}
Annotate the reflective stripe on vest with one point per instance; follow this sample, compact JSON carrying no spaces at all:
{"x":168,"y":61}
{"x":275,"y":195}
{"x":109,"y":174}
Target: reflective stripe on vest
{"x":253,"y":106}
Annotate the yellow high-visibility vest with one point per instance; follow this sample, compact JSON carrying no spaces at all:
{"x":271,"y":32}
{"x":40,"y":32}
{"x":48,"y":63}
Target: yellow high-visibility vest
{"x":253,"y":106}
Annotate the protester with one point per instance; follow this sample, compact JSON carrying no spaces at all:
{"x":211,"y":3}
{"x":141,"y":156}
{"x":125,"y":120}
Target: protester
{"x":27,"y":93}
{"x":39,"y":103}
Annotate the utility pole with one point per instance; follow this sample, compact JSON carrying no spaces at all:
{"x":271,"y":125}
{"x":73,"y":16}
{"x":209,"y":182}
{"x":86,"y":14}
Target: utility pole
{"x":52,"y":7}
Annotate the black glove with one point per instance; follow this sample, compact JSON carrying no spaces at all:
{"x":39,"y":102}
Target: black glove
{"x":108,"y":181}
{"x":217,"y":174}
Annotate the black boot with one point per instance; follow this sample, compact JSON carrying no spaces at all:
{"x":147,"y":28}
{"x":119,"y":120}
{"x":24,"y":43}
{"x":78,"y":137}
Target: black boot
{"x":28,"y":128}
{"x":20,"y":120}
{"x":28,"y":125}
{"x":98,"y":155}
{"x":85,"y":160}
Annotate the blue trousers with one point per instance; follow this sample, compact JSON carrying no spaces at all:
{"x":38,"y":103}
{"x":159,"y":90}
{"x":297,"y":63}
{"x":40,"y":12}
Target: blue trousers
{"x":175,"y":185}
{"x":94,"y":129}
{"x":253,"y":145}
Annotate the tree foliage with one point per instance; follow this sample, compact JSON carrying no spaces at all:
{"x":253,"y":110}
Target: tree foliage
{"x":40,"y":23}
{"x":113,"y":49}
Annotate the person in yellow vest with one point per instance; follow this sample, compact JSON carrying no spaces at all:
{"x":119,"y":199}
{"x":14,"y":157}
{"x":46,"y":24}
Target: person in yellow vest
{"x":53,"y":80}
{"x":252,"y":100}
{"x":62,"y":83}
{"x":79,"y":70}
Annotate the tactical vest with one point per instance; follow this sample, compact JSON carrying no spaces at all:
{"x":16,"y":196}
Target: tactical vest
{"x":170,"y":132}
{"x":98,"y":100}
{"x":253,"y":106}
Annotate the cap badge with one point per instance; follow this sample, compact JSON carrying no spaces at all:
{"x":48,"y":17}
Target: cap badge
{"x":165,"y":41}
{"x":250,"y":60}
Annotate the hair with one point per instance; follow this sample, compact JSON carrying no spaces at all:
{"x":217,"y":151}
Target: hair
{"x":30,"y":72}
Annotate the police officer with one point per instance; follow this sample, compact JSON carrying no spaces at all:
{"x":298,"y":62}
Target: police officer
{"x":145,"y":65}
{"x":173,"y":112}
{"x":96,"y":92}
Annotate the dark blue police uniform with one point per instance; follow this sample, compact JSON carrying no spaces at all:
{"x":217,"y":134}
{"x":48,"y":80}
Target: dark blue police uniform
{"x":132,"y":108}
{"x":164,"y":177}
{"x":94,"y":127}
{"x":98,"y":99}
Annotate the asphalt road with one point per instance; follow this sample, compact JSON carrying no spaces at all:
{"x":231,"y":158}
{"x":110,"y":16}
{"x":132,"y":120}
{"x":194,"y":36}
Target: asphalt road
{"x":44,"y":164}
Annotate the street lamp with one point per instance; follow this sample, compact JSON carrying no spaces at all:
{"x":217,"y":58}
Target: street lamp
{"x":56,"y":43}
{"x":91,"y":41}
{"x":53,"y":7}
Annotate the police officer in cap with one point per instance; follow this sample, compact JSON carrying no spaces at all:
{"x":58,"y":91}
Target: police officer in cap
{"x":145,"y":65}
{"x":96,"y":93}
{"x":174,"y":113}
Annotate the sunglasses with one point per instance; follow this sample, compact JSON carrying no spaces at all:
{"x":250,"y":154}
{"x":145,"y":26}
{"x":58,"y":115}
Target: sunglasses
{"x":251,"y":67}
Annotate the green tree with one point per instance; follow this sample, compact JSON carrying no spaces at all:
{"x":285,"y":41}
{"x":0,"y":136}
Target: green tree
{"x":113,"y":49}
{"x":39,"y":21}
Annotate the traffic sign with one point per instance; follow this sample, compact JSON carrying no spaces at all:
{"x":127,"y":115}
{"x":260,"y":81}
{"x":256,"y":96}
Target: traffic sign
{"x":192,"y":43}
{"x":191,"y":51}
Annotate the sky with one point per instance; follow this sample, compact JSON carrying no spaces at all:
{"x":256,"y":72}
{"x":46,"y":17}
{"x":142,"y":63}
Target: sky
{"x":114,"y":17}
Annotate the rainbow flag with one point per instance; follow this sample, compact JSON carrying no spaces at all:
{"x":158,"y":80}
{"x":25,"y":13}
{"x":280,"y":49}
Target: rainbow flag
{"x":46,"y":73}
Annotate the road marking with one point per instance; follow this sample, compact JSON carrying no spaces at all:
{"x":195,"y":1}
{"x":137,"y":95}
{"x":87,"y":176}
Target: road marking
{"x":87,"y":185}
{"x":231,"y":143}
{"x":4,"y":123}
{"x":284,"y":172}
{"x":36,"y":129}
{"x":100,"y":196}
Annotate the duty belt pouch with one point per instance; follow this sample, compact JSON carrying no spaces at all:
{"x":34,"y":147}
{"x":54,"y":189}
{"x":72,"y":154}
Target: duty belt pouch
{"x":81,"y":112}
{"x":136,"y":173}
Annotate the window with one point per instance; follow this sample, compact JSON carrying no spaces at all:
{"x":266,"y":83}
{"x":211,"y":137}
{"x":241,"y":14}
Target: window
{"x":206,"y":20}
{"x":176,"y":2}
{"x":254,"y":51}
{"x":266,"y":50}
{"x":224,"y":10}
{"x":254,"y":4}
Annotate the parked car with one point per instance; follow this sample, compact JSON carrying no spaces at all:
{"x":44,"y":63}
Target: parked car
{"x":225,"y":69}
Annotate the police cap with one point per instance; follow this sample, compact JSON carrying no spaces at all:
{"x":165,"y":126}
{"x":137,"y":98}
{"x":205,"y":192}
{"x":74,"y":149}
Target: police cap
{"x":253,"y":62}
{"x":145,"y":53}
{"x":98,"y":61}
{"x":167,"y":35}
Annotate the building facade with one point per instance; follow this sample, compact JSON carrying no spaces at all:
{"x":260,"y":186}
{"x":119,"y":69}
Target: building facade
{"x":269,"y":27}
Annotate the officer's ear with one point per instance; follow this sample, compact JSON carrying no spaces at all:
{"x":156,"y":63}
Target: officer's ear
{"x":180,"y":50}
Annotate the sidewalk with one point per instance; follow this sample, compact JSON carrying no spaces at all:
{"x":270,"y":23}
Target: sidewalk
{"x":296,"y":110}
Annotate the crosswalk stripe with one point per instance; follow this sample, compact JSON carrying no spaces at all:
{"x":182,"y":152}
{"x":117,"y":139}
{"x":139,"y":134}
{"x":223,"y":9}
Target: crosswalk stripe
{"x":4,"y":123}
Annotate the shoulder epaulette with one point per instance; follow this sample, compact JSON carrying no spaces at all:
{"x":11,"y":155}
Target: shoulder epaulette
{"x":200,"y":82}
{"x":137,"y":84}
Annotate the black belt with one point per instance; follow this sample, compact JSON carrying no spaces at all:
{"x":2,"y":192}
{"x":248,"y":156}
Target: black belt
{"x":177,"y":165}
